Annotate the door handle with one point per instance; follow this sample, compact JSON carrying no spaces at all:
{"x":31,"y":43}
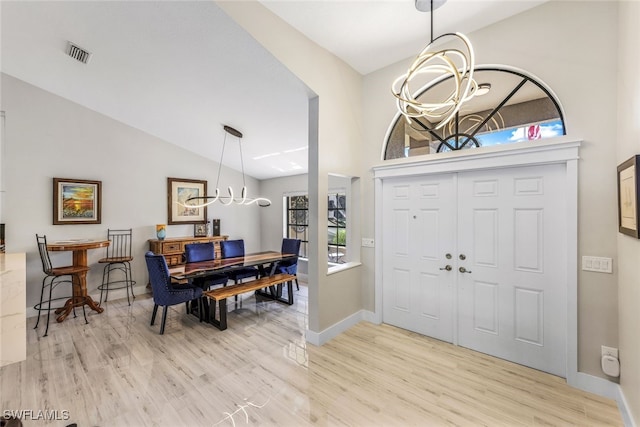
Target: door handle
{"x":464,"y":270}
{"x":446,"y":267}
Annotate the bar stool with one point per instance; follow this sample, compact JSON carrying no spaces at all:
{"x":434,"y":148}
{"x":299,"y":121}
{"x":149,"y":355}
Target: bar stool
{"x":118,"y":259}
{"x":54,"y":276}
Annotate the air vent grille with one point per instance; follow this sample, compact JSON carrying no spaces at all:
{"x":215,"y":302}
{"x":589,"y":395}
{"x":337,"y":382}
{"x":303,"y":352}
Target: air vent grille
{"x":78,"y":53}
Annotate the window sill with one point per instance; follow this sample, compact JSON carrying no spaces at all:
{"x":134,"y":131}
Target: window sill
{"x":336,"y":268}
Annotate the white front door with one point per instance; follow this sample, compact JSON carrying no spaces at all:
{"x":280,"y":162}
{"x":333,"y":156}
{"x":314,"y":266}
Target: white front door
{"x":512,"y":299}
{"x":419,"y":219}
{"x":504,"y":230}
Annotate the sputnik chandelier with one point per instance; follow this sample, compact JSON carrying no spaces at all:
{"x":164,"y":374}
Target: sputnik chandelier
{"x":192,"y":202}
{"x":456,"y":62}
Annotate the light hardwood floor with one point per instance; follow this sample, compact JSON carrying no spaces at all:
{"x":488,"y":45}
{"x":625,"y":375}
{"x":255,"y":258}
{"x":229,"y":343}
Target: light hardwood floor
{"x":117,"y":371}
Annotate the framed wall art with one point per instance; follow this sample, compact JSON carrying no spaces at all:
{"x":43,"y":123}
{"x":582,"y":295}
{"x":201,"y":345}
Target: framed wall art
{"x":179,"y":190}
{"x":76,"y":201}
{"x":628,"y":196}
{"x":201,"y":230}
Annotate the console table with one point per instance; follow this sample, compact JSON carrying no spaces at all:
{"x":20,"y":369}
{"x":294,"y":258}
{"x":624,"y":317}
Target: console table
{"x":173,"y":247}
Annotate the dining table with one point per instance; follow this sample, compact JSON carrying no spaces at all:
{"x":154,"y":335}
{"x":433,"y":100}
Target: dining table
{"x":266,"y":262}
{"x":81,"y":297}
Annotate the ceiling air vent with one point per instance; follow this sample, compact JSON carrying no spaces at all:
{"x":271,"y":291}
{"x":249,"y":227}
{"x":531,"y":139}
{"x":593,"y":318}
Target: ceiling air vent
{"x":78,"y":53}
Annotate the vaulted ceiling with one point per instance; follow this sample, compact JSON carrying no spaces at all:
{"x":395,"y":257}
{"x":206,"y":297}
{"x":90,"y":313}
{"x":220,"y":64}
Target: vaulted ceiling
{"x":181,"y":70}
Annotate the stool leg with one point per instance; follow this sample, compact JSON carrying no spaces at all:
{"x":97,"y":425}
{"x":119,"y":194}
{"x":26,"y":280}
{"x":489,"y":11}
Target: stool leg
{"x":40,"y":305}
{"x":104,"y":283}
{"x":85,"y":314}
{"x":46,"y":330}
{"x":127,"y":279}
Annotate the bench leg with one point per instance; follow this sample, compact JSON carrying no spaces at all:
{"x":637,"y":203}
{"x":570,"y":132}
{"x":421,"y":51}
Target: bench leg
{"x":290,"y":292}
{"x":222,"y":323}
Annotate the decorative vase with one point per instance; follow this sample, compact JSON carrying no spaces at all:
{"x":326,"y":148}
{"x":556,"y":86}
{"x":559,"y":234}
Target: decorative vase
{"x":161,"y":231}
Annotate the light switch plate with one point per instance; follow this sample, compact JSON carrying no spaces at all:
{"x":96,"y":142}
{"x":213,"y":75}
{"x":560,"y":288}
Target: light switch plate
{"x":368,"y":243}
{"x":597,"y":264}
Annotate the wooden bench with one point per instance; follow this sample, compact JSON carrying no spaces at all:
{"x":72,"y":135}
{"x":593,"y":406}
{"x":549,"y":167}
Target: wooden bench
{"x":221,"y":294}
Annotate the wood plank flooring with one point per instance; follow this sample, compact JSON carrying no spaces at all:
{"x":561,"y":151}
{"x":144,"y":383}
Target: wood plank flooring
{"x":118,"y":371}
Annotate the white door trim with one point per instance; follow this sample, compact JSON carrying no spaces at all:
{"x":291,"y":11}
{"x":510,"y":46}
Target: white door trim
{"x":562,"y":150}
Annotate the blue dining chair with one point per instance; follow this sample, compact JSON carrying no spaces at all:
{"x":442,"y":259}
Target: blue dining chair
{"x":165,"y":294}
{"x":196,"y":252}
{"x":234,"y":249}
{"x":290,"y":246}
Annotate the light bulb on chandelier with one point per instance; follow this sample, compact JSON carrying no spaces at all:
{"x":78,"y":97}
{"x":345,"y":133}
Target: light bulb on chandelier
{"x":192,"y":202}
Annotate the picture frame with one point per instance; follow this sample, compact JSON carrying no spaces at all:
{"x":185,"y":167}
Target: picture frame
{"x":628,"y":197}
{"x":201,"y":230}
{"x":77,"y":201}
{"x":178,"y":191}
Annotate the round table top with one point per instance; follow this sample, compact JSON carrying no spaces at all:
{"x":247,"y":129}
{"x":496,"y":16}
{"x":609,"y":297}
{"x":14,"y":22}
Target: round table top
{"x":77,"y":244}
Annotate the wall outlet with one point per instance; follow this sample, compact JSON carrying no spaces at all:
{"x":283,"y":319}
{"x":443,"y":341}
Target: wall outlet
{"x":609,"y":351}
{"x":367,"y":243}
{"x":597,"y":264}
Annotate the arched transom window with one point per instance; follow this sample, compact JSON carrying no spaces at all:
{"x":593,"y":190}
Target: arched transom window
{"x":515,"y":107}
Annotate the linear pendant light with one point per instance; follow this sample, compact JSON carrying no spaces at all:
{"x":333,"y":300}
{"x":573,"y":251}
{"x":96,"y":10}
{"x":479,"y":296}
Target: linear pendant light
{"x":192,"y":202}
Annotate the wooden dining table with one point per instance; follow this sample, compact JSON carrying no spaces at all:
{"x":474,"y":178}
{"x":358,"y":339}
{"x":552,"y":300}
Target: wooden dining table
{"x":80,"y":297}
{"x":266,"y":262}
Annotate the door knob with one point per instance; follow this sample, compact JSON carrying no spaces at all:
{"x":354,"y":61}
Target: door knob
{"x":448,"y":256}
{"x":464,"y":270}
{"x":463,"y":257}
{"x":446,"y":267}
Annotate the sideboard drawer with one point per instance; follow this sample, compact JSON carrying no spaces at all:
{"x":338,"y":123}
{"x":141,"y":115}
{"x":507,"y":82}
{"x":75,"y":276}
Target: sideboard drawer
{"x":173,"y":259}
{"x":169,"y":247}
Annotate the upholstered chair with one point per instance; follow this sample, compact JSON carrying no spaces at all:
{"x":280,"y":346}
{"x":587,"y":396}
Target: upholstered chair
{"x":166,"y":294}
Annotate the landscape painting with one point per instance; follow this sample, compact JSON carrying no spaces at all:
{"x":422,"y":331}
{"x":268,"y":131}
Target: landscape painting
{"x":76,"y":201}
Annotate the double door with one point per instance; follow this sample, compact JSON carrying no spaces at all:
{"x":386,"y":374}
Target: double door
{"x":477,"y":259}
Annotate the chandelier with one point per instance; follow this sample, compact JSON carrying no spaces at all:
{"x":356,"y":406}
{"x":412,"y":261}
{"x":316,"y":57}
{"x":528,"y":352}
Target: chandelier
{"x":201,"y":201}
{"x":457,"y":62}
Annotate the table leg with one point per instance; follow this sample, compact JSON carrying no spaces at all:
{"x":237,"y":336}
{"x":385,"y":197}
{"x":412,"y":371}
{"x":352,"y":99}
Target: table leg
{"x":80,"y":296}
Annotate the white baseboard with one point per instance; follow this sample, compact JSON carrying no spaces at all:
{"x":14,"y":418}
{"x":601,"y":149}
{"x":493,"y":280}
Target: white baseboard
{"x":320,"y":338}
{"x":605,"y":388}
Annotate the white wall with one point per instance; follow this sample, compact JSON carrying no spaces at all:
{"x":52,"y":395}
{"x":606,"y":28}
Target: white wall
{"x":47,"y":136}
{"x":557,"y":42}
{"x":628,"y":144}
{"x":335,"y":146}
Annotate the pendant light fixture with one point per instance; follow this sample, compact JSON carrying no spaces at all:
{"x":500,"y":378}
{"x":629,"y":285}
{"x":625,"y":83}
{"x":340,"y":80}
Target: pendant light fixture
{"x":198,"y":202}
{"x":456,"y":63}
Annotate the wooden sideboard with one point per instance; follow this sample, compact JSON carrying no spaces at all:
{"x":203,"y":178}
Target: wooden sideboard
{"x":173,"y":247}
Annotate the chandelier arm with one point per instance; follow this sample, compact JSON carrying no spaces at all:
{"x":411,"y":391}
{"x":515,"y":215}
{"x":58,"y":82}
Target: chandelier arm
{"x":431,"y":21}
{"x":244,"y":184}
{"x":224,"y":144}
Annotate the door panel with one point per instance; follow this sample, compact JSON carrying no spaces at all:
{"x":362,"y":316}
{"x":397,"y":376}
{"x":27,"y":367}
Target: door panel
{"x":524,"y":215}
{"x":419,"y":225}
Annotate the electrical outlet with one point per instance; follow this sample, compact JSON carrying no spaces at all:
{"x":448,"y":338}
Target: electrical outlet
{"x":609,"y":351}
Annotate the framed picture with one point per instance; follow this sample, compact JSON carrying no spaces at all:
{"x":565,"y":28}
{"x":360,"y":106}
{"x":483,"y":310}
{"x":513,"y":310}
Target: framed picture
{"x":201,"y":230}
{"x":76,"y":201}
{"x":179,"y":191}
{"x":628,"y":196}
